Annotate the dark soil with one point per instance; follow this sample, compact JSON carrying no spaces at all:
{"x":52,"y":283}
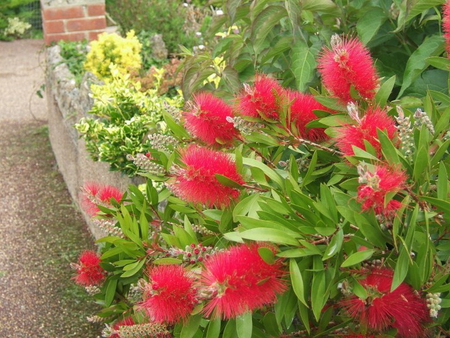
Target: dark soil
{"x":41,"y":233}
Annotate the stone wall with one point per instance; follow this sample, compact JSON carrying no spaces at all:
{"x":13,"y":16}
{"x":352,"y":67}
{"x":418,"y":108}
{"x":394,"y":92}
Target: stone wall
{"x":67,"y":104}
{"x":72,"y":20}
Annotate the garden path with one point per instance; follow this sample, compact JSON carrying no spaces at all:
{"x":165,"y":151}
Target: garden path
{"x":40,"y":230}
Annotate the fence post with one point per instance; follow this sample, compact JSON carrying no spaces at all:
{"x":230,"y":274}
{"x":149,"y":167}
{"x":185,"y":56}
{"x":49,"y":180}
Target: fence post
{"x":72,"y":20}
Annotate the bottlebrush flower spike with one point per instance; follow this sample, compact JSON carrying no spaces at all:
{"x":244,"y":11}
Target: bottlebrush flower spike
{"x":170,"y":295}
{"x":117,"y":325}
{"x":365,"y":130}
{"x":302,"y":108}
{"x":401,"y":309}
{"x":95,"y":193}
{"x":375,"y":186}
{"x":346,"y":64}
{"x":196,"y":181}
{"x":239,"y":280}
{"x":446,"y":26}
{"x":207,"y":120}
{"x":260,"y":100}
{"x":88,"y":269}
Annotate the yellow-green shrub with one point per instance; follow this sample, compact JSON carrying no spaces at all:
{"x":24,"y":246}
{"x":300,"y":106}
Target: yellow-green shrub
{"x":109,"y":49}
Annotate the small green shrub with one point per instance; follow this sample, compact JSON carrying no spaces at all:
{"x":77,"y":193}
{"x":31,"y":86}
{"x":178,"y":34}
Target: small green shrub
{"x":73,"y":54}
{"x":177,"y":23}
{"x":124,"y":116}
{"x":110,"y":49}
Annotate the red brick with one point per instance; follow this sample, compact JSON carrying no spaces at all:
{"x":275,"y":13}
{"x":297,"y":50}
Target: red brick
{"x":58,"y":13}
{"x":49,"y":38}
{"x":96,"y":10}
{"x":86,"y":24}
{"x":93,"y":35}
{"x":51,"y":27}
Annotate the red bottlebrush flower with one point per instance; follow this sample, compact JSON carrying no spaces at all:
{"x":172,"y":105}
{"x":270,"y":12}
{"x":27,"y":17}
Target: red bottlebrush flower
{"x":302,"y":108}
{"x":365,"y":130}
{"x":95,"y":194}
{"x":346,"y":64}
{"x":401,"y":309}
{"x":260,"y":100}
{"x":117,"y":325}
{"x":207,"y":120}
{"x":197,"y":183}
{"x":240,"y":281}
{"x":88,"y":269}
{"x":446,"y":26}
{"x":376,"y":186}
{"x":170,"y":296}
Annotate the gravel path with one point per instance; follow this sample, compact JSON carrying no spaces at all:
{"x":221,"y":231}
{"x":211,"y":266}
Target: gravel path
{"x":41,"y":231}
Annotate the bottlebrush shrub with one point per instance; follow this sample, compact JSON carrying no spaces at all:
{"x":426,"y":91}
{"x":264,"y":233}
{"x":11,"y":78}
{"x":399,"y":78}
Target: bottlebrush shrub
{"x":121,"y":118}
{"x":280,"y":233}
{"x":109,"y":49}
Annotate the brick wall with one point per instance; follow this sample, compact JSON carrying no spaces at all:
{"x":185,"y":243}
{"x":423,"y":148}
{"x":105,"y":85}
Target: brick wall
{"x":72,"y":20}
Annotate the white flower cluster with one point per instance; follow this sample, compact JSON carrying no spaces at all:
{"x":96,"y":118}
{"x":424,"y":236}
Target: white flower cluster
{"x":433,"y":303}
{"x":16,"y":27}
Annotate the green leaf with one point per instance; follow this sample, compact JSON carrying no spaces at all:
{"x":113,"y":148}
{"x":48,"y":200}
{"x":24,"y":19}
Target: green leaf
{"x":439,"y":62}
{"x":318,"y":294}
{"x":304,"y":64}
{"x":319,"y":5}
{"x":270,"y":235}
{"x":228,"y":182}
{"x":230,"y":329}
{"x":441,"y":204}
{"x":369,"y":24}
{"x":297,"y":281}
{"x":385,"y":91}
{"x":421,"y":163}
{"x":267,"y":255}
{"x":442,"y":183}
{"x":401,"y":268}
{"x":357,"y":257}
{"x":264,"y":23}
{"x":268,"y":171}
{"x":213,"y":330}
{"x":231,"y":6}
{"x":335,"y":245}
{"x":136,"y":268}
{"x":167,"y":261}
{"x":191,"y":327}
{"x":110,"y":291}
{"x":387,"y":148}
{"x":244,"y":325}
{"x":421,"y":6}
{"x":416,"y":64}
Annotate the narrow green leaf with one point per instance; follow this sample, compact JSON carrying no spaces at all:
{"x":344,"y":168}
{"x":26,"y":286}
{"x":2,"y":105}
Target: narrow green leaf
{"x":318,"y":294}
{"x":421,"y":163}
{"x":442,"y":183}
{"x":213,"y":330}
{"x":136,"y":268}
{"x":191,"y":327}
{"x":267,"y":255}
{"x":319,"y":5}
{"x":270,"y":235}
{"x":385,"y":91}
{"x":357,"y":257}
{"x":110,"y":291}
{"x":297,"y":281}
{"x":268,"y":171}
{"x":231,"y":6}
{"x":230,"y":329}
{"x":335,"y":245}
{"x":439,"y":62}
{"x":441,"y":204}
{"x":167,"y":261}
{"x":244,"y":325}
{"x":401,"y":268}
{"x":228,"y":182}
{"x":387,"y":148}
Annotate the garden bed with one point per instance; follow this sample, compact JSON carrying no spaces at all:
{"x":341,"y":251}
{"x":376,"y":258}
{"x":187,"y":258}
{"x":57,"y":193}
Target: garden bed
{"x":67,"y":104}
